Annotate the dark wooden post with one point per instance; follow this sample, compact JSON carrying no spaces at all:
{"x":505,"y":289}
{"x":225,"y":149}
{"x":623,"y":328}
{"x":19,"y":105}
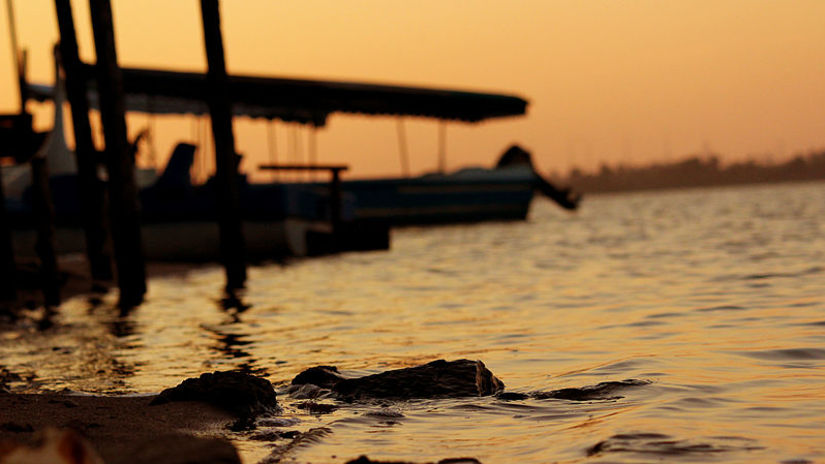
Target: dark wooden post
{"x":8,"y":269}
{"x":18,"y":56}
{"x":43,"y":209}
{"x":123,"y":194}
{"x":403,"y":149}
{"x":44,"y":212}
{"x":442,"y":147}
{"x":335,"y":201}
{"x":91,"y":190}
{"x":8,"y":281}
{"x":232,"y":246}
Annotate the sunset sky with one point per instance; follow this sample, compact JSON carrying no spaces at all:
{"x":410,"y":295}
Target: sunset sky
{"x":608,"y":81}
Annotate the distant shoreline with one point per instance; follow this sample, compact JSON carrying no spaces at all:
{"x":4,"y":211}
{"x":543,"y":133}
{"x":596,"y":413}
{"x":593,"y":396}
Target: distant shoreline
{"x":696,"y":172}
{"x":695,"y":187}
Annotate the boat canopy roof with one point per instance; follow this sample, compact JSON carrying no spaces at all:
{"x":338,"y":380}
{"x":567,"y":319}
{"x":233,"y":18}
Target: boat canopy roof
{"x":298,"y":100}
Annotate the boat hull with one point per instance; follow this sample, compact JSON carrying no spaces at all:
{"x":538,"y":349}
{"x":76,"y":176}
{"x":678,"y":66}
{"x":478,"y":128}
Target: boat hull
{"x":470,"y":195}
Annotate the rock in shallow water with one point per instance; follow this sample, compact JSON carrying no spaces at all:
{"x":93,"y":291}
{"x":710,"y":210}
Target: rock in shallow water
{"x":438,"y":379}
{"x":241,"y":394}
{"x":600,"y":391}
{"x":656,"y":445}
{"x":366,"y":460}
{"x":322,"y":376}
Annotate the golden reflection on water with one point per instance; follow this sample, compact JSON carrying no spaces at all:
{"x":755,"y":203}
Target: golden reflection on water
{"x":714,"y":296}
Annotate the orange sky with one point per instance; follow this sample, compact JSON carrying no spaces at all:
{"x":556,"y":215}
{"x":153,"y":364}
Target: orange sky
{"x":611,"y":81}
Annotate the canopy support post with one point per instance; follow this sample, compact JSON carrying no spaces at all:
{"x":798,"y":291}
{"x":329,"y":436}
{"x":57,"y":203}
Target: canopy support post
{"x":442,"y":147}
{"x":312,"y":151}
{"x":18,"y":56}
{"x":272,"y":145}
{"x":123,"y":204}
{"x":91,"y":190}
{"x":8,"y":283}
{"x":403,"y":150}
{"x":232,"y":245}
{"x":44,"y":246}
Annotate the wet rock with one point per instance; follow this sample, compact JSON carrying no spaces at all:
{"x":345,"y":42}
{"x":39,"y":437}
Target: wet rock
{"x":438,"y":379}
{"x":322,"y":376}
{"x":243,"y":395}
{"x":600,"y":391}
{"x":275,"y":435}
{"x":669,"y":448}
{"x":308,"y":392}
{"x":385,"y":413}
{"x":317,"y":408}
{"x":512,"y":396}
{"x":279,"y":422}
{"x":366,"y":460}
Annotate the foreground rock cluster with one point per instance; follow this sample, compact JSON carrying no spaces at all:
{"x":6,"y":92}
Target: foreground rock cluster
{"x":438,"y":379}
{"x":242,"y":395}
{"x":61,"y":429}
{"x":67,"y":431}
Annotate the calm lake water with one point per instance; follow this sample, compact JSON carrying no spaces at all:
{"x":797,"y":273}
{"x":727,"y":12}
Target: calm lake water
{"x":716,"y":297}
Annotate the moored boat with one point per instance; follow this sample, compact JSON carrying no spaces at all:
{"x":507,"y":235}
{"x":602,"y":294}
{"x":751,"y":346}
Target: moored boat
{"x":306,"y":218}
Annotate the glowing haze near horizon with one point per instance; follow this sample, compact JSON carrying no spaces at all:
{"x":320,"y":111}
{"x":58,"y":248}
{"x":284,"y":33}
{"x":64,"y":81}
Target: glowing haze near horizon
{"x":607,"y":81}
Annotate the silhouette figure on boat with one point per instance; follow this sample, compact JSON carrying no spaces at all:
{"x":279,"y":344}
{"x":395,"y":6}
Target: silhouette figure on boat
{"x":515,"y":155}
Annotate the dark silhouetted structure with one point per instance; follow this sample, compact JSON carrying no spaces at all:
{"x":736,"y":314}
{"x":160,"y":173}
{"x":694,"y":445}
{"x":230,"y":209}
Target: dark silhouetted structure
{"x":44,"y":212}
{"x":123,"y":204}
{"x":515,"y":155}
{"x":91,"y":189}
{"x":232,"y":247}
{"x":8,"y":291}
{"x":698,"y":172}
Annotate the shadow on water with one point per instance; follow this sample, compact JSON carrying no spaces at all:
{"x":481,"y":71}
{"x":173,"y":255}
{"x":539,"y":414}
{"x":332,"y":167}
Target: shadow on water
{"x":230,"y":343}
{"x":648,"y":445}
{"x":233,"y":303}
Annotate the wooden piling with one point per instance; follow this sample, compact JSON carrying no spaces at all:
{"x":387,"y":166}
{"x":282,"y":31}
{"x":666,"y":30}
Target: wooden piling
{"x":335,"y":200}
{"x":42,"y":207}
{"x":91,"y":190}
{"x":442,"y":147}
{"x":232,"y":245}
{"x":22,"y":67}
{"x":8,"y":281}
{"x":123,"y":193}
{"x":44,"y":213}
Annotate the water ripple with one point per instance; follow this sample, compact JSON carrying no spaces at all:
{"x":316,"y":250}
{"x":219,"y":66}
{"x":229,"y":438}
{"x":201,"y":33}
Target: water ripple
{"x":665,"y":446}
{"x":796,"y":354}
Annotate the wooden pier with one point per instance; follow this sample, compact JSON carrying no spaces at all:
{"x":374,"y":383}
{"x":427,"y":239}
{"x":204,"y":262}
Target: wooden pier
{"x":122,"y":191}
{"x":293,"y":100}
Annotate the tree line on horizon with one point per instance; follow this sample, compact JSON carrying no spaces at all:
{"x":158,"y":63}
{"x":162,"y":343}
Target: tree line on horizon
{"x":695,"y":171}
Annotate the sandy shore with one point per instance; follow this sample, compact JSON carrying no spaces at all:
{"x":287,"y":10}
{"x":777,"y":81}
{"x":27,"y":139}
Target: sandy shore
{"x":123,"y":429}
